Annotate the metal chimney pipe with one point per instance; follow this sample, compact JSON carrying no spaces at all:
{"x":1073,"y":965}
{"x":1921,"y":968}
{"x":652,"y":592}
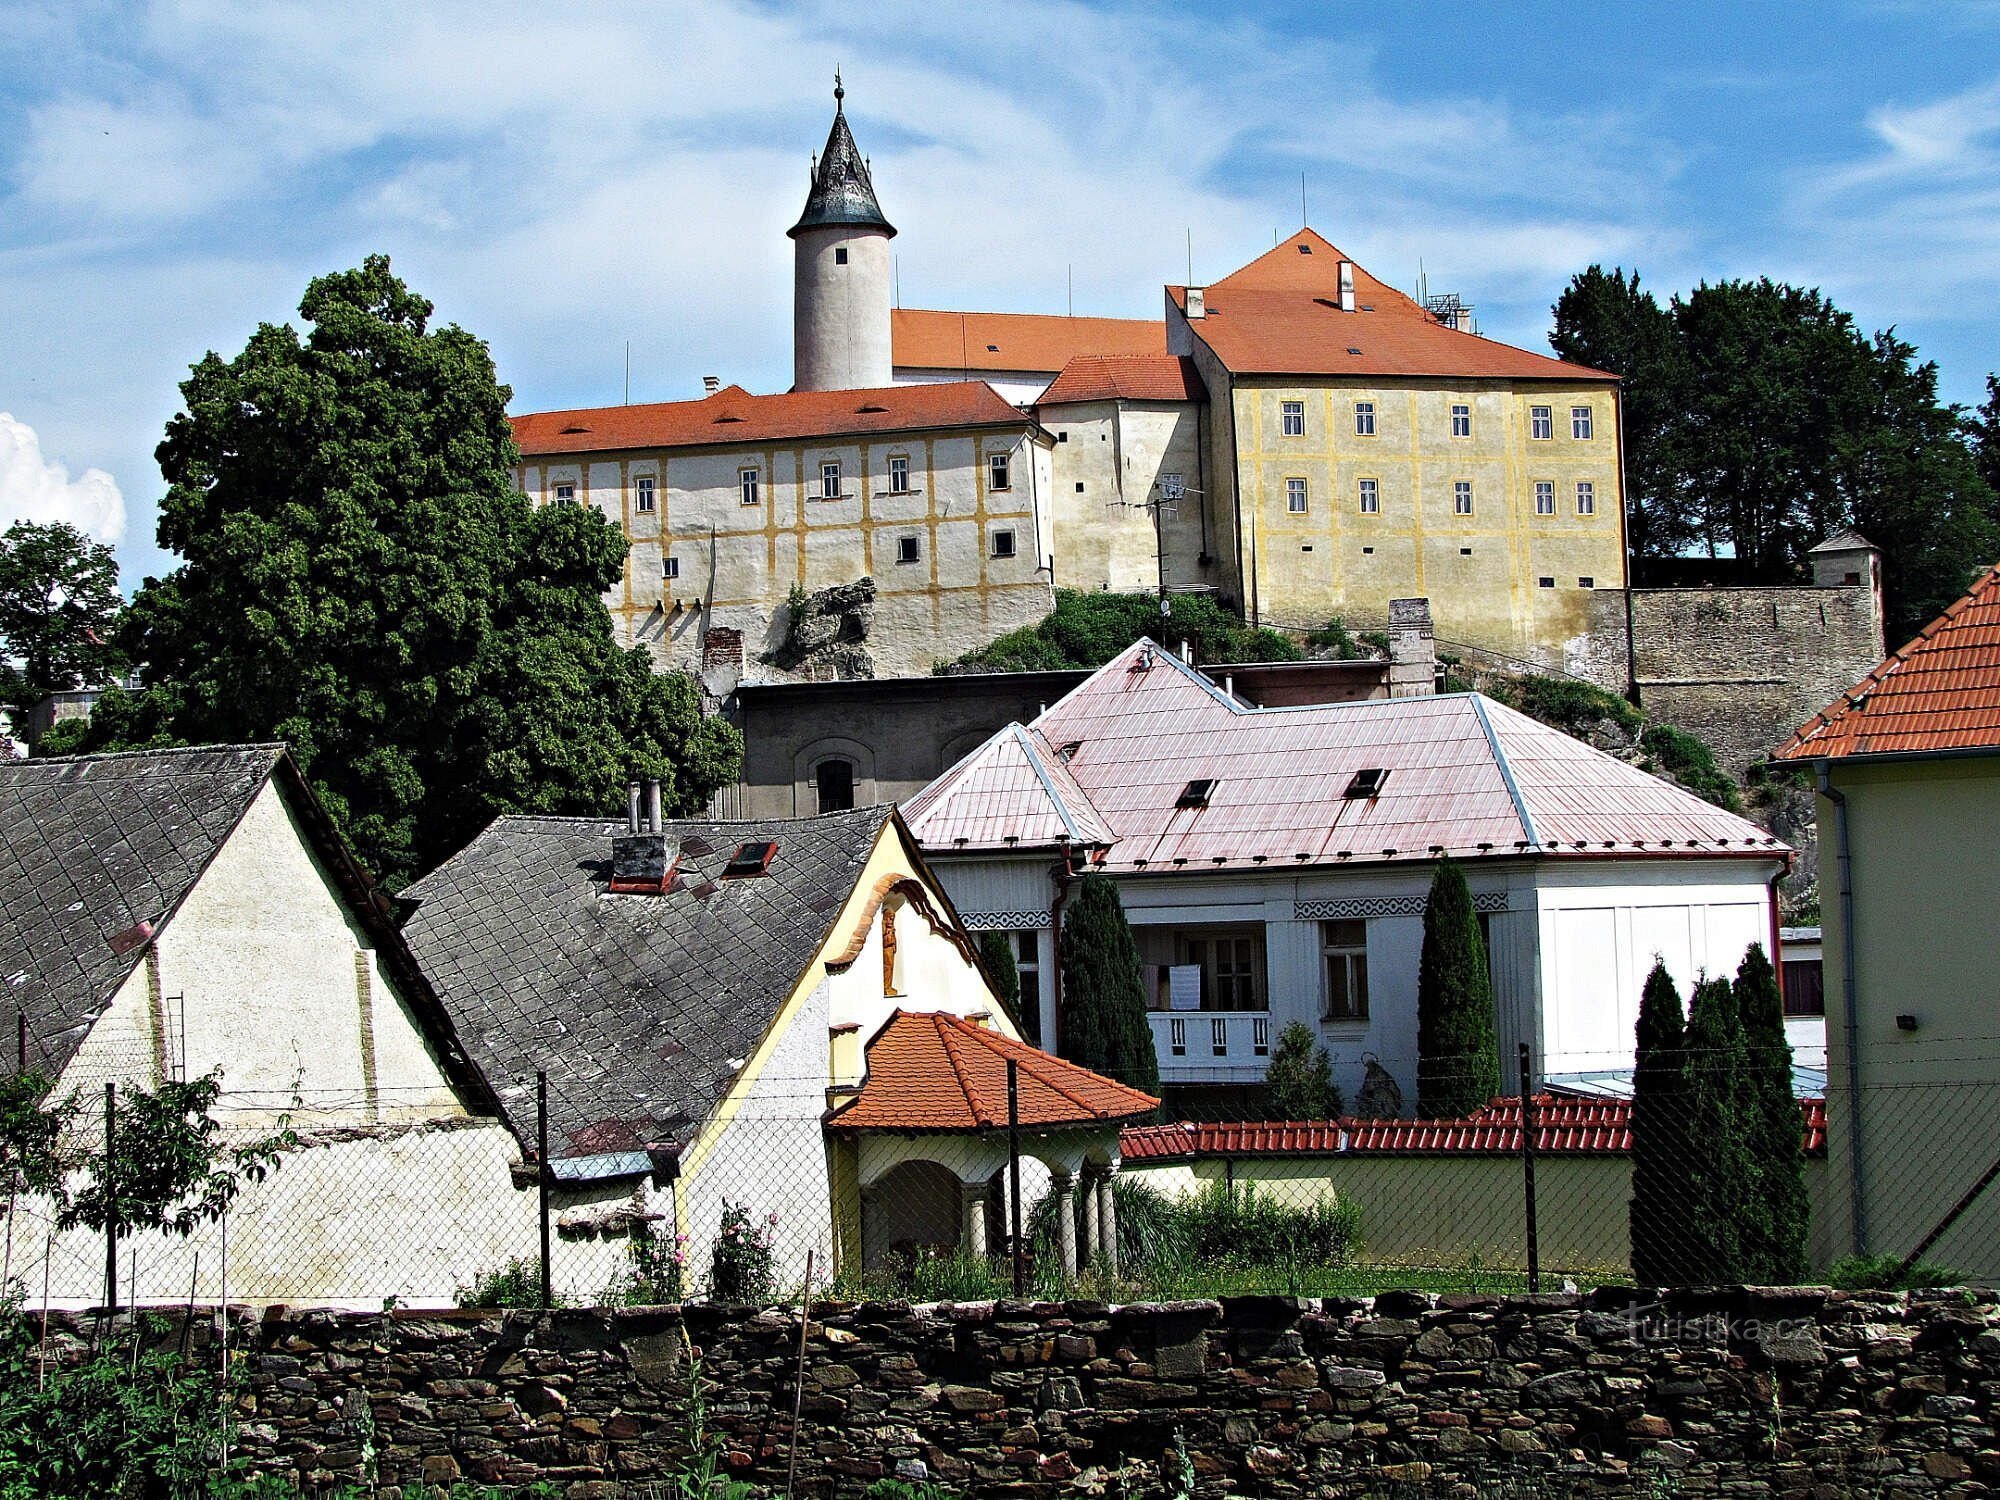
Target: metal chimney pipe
{"x":631,"y":807}
{"x":653,"y":823}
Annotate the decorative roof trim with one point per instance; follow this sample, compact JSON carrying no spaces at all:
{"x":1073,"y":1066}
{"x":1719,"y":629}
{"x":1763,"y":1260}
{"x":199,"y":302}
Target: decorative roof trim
{"x":1506,"y":770}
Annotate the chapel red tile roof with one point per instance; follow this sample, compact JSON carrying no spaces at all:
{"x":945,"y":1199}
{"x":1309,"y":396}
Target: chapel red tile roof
{"x":1940,"y":692}
{"x":733,"y":415}
{"x":1280,"y":315}
{"x":1564,"y":1125}
{"x":1465,"y":776}
{"x":1125,"y":377}
{"x":935,"y":1072}
{"x":1032,"y":343}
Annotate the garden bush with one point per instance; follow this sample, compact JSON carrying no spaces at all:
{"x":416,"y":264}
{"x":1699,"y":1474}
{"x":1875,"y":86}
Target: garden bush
{"x":1088,"y":629}
{"x":1691,"y":763}
{"x":740,"y":1270}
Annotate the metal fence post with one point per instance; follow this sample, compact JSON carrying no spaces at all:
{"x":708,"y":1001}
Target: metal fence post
{"x":111,"y":1196}
{"x":1014,"y":1174}
{"x":542,"y":1173}
{"x":1528,"y":1128}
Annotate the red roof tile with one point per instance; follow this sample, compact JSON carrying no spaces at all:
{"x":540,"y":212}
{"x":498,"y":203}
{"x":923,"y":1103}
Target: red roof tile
{"x":1125,"y":377}
{"x":1033,"y":343}
{"x":733,"y":415}
{"x":931,"y":1071}
{"x":1564,"y":1125}
{"x":1940,"y":692}
{"x":1281,"y":315}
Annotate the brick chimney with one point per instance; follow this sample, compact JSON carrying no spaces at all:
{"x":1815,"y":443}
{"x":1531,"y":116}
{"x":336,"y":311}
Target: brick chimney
{"x":1412,"y":649}
{"x":639,"y":856}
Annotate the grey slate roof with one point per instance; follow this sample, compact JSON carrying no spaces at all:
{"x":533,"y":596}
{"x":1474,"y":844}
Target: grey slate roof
{"x":90,"y":847}
{"x":642,"y":1009}
{"x":842,"y":192}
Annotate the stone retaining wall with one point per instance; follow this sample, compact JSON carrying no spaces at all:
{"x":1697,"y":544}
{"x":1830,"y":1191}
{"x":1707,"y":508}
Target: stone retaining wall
{"x":1787,"y":1391}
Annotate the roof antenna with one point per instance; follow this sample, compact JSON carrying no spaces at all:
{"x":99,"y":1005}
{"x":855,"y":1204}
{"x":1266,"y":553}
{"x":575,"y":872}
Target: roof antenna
{"x":1303,"y":220}
{"x":1190,"y":248}
{"x":628,"y":372}
{"x":896,"y":273}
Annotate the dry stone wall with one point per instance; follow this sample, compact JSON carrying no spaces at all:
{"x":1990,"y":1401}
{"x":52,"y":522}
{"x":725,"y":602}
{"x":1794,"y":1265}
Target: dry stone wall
{"x":1788,"y":1392}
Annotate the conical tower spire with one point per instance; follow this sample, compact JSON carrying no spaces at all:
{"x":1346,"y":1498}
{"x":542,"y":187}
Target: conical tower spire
{"x":842,"y":191}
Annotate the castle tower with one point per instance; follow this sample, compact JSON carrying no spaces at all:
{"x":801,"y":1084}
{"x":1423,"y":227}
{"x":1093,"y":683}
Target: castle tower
{"x":841,"y":274}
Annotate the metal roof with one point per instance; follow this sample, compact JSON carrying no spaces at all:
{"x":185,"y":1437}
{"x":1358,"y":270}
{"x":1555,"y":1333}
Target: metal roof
{"x":843,"y":192}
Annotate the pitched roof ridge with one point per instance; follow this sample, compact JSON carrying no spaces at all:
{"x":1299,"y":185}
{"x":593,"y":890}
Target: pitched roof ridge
{"x":950,"y":1043}
{"x":1044,"y":1067}
{"x":158,"y":752}
{"x":1026,"y":739}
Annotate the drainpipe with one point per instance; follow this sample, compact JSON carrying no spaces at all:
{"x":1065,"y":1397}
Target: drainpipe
{"x":1850,"y":1022}
{"x":1062,"y":875}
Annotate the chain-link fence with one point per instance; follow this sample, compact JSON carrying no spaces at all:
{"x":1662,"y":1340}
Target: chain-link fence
{"x":375,"y":1197}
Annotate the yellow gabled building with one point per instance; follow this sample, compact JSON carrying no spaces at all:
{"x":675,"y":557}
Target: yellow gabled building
{"x":1361,"y":448}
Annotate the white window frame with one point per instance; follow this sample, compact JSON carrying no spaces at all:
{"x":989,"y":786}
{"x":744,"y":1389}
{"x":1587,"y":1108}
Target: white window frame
{"x":1545,"y":497}
{"x":999,"y":471}
{"x":1346,"y":952}
{"x":1370,"y":497}
{"x":1292,"y":418}
{"x":1582,"y":424}
{"x":646,"y":494}
{"x":1586,"y":497}
{"x":1461,"y":419}
{"x":1541,"y":424}
{"x":565,"y":493}
{"x":1008,"y":550}
{"x":1364,"y":419}
{"x":670,"y":567}
{"x":1298,"y":497}
{"x":1461,"y":497}
{"x":750,"y":484}
{"x":831,"y":469}
{"x":899,"y":474}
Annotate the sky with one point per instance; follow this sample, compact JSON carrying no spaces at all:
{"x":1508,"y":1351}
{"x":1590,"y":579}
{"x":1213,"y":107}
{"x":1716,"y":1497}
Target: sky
{"x":563,"y":179}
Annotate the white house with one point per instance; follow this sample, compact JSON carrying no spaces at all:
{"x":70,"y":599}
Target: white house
{"x":1275,"y":862}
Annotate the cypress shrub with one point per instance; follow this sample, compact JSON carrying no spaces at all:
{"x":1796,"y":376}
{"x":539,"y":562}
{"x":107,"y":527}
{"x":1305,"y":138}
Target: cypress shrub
{"x":1716,"y":1173}
{"x":1104,"y":1025}
{"x":996,"y":951}
{"x":1458,"y":1054}
{"x":1777,"y":1209}
{"x":1660,"y":1247}
{"x":1299,"y":1084}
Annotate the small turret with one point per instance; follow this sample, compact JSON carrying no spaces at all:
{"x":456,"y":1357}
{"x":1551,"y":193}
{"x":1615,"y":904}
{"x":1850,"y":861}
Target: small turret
{"x":841,"y":271}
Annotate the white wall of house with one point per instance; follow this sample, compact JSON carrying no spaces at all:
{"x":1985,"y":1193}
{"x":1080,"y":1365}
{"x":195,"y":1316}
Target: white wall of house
{"x":1021,"y":387}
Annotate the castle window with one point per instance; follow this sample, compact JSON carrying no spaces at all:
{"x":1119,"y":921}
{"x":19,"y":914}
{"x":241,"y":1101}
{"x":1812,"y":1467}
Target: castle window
{"x":1579,"y":422}
{"x":1295,"y":496}
{"x":1461,"y":421}
{"x":1541,"y":422}
{"x":1079,"y":486}
{"x":1172,"y":487}
{"x":670,"y":568}
{"x":833,"y":784}
{"x":1461,"y":497}
{"x":1371,"y":498}
{"x":1545,"y":498}
{"x":1364,"y":419}
{"x":565,"y":493}
{"x":1547,"y":583}
{"x":907,"y":549}
{"x":1062,"y":437}
{"x":1003,"y":543}
{"x":899,"y":475}
{"x":840,"y":255}
{"x":829,"y":481}
{"x":643,"y":499}
{"x":1586,"y":498}
{"x":750,"y":480}
{"x":1586,"y":583}
{"x":1292,"y":418}
{"x":997,"y":472}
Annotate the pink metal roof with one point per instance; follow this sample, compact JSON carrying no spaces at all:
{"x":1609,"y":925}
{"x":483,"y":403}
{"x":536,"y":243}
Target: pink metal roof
{"x":1466,"y":776}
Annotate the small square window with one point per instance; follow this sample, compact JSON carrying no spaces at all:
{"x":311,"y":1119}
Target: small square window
{"x":840,"y":255}
{"x":899,"y":475}
{"x":1461,"y":421}
{"x":670,"y":567}
{"x":750,"y":480}
{"x":1371,"y":497}
{"x":1586,"y":582}
{"x":1365,"y":784}
{"x":1079,"y":486}
{"x":1197,"y":792}
{"x":1292,"y":415}
{"x":1465,"y":552}
{"x":1541,"y":422}
{"x":829,"y":481}
{"x":1295,"y":496}
{"x":565,"y":493}
{"x":1003,"y":543}
{"x":750,"y":860}
{"x":1364,"y":419}
{"x":1545,"y":498}
{"x":1062,"y":437}
{"x":1586,"y":498}
{"x":907,"y":550}
{"x":1547,"y":583}
{"x":1461,"y":497}
{"x":643,"y":496}
{"x":1579,"y":422}
{"x":999,"y":472}
{"x":1367,"y":551}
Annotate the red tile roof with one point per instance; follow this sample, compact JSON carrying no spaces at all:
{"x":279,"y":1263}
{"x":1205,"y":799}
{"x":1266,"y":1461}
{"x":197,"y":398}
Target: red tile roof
{"x":1033,"y":343}
{"x":1466,"y":775}
{"x":733,"y":415}
{"x":1125,"y":377}
{"x":1280,"y":315}
{"x":1940,"y":692}
{"x":1564,"y":1125}
{"x":935,"y":1072}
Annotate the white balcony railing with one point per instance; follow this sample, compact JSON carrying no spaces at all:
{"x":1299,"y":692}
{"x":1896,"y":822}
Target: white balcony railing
{"x":1204,"y":1043}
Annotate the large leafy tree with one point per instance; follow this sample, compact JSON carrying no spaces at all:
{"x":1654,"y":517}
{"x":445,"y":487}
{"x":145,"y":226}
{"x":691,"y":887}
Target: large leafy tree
{"x":1983,"y":426}
{"x":59,"y":609}
{"x":364,"y":580}
{"x":1104,"y":1025}
{"x":1458,"y":1053}
{"x":1778,"y":1208}
{"x":1660,"y":1148}
{"x":1759,"y":418}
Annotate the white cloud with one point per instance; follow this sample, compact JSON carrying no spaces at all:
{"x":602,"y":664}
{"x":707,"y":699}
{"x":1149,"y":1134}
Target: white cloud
{"x":34,"y":488}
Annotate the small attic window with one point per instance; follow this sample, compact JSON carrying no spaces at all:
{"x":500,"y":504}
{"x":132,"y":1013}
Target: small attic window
{"x":1352,"y":350}
{"x":728,"y":417}
{"x":871,"y":406}
{"x":992,"y":348}
{"x":576,"y":427}
{"x":1196,"y":792}
{"x":1366,"y":783}
{"x":1305,"y":249}
{"x":749,"y":859}
{"x":1067,"y":750}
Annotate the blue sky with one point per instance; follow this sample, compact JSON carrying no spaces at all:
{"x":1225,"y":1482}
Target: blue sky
{"x":563,"y":178}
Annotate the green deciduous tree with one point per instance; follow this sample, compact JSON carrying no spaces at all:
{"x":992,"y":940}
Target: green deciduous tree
{"x":1717,"y":1175}
{"x":1088,"y":629}
{"x":364,"y":580}
{"x":59,"y":609}
{"x":1458,"y":1054}
{"x":1660,"y":1245}
{"x":1104,"y":1025}
{"x":1779,"y":1211}
{"x":1299,"y":1084}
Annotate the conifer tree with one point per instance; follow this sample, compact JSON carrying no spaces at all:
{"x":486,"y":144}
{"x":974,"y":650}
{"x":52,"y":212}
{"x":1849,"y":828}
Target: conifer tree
{"x":1104,"y":1025}
{"x":1777,"y":1209}
{"x":996,"y":951}
{"x":1299,"y":1084}
{"x":1660,"y":1248}
{"x":1717,"y":1167}
{"x":1458,"y":1054}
